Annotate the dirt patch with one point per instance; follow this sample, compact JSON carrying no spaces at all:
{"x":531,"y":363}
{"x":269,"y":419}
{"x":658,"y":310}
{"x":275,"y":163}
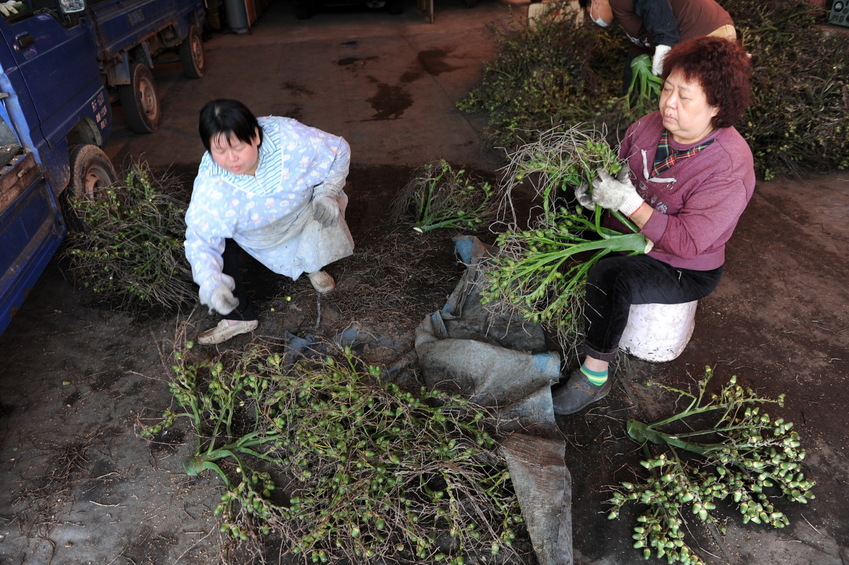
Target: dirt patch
{"x":78,"y":380}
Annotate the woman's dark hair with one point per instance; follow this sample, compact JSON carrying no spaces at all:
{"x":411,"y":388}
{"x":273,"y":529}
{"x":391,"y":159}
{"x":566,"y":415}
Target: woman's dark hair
{"x":722,"y":68}
{"x":227,"y":117}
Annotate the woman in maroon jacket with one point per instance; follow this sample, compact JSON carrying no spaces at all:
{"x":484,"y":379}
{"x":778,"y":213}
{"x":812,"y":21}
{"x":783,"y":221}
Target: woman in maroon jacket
{"x":689,"y":177}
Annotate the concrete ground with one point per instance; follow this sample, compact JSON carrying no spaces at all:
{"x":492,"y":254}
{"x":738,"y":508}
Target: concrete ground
{"x":385,"y":83}
{"x":76,"y":381}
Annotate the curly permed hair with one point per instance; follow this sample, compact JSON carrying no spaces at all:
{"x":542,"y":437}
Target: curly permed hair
{"x":722,"y":68}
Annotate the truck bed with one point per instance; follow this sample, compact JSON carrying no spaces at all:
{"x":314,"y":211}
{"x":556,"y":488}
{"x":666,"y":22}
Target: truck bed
{"x":122,"y":24}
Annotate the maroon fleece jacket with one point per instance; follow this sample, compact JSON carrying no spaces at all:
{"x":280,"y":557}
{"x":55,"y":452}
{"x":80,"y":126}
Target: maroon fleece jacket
{"x":695,"y":215}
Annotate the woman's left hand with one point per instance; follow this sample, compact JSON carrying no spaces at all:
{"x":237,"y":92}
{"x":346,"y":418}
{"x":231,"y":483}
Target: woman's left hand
{"x":616,"y":193}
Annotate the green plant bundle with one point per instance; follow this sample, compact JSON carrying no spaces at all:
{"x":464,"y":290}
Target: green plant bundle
{"x":644,"y":91}
{"x":441,"y":196}
{"x":127,"y":241}
{"x":727,"y":448}
{"x":375,"y":472}
{"x":542,"y":272}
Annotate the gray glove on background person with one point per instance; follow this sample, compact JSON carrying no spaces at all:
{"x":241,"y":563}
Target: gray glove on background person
{"x":660,"y":52}
{"x":219,"y":295}
{"x":8,"y":8}
{"x":616,"y":193}
{"x":326,"y":211}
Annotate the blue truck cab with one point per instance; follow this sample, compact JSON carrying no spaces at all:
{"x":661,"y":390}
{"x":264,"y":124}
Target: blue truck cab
{"x":62,"y":64}
{"x":52,"y":104}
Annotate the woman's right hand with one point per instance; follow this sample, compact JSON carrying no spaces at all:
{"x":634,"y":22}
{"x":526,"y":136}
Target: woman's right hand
{"x":326,"y":211}
{"x":218,"y":295}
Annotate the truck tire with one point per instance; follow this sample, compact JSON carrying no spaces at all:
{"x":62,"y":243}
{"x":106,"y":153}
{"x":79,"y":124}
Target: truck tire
{"x":141,"y":106}
{"x":191,"y":54}
{"x":91,"y":170}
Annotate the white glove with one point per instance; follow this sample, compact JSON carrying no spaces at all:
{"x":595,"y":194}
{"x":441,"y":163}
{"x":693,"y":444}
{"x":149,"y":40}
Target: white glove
{"x":326,"y":211}
{"x":219,"y":296}
{"x":616,"y":193}
{"x":660,"y":52}
{"x":7,"y":8}
{"x":583,"y":198}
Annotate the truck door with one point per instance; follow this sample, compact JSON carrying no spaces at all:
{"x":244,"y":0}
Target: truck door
{"x":58,"y":64}
{"x":31,"y":226}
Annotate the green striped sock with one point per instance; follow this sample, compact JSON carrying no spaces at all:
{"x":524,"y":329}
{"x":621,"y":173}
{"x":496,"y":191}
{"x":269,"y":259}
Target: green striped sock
{"x":598,"y":378}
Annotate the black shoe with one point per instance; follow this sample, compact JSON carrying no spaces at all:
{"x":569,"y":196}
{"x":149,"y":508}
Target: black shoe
{"x":577,"y":393}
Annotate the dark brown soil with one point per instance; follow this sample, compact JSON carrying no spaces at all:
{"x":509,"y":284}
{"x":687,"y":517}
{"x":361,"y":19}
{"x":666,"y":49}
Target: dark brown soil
{"x":78,"y":380}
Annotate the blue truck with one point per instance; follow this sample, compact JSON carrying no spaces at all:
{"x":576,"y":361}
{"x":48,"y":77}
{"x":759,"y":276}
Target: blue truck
{"x":63,"y":63}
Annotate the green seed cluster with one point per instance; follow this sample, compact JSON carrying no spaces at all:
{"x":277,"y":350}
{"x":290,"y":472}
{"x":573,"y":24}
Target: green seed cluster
{"x":751,"y":460}
{"x":127,"y":242}
{"x":374,"y":471}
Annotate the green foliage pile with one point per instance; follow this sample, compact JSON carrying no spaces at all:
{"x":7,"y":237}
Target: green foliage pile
{"x":799,"y":121}
{"x":326,"y":459}
{"x":556,"y":74}
{"x":720,"y":447}
{"x":125,"y":242}
{"x":552,"y":74}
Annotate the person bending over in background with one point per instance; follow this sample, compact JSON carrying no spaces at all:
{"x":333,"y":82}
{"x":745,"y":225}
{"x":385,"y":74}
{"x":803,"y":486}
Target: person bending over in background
{"x":654,"y":26}
{"x":273,"y":187}
{"x":688,"y":178}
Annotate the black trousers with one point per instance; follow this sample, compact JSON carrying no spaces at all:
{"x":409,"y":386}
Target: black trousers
{"x":617,"y":281}
{"x":232,"y":258}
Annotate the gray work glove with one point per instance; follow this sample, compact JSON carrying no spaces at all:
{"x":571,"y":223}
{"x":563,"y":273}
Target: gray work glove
{"x":326,"y":211}
{"x":218,"y":296}
{"x":616,"y":193}
{"x":583,"y":198}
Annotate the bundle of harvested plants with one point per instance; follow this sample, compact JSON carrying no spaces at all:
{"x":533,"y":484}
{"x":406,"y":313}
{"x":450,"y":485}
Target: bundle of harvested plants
{"x":440,"y":196}
{"x":724,"y":447}
{"x":126,"y":241}
{"x":540,"y":272}
{"x":644,"y":91}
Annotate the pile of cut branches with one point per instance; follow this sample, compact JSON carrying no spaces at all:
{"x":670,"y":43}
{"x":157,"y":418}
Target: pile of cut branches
{"x":556,"y":73}
{"x":441,"y":196}
{"x":799,"y":121}
{"x":341,"y":465}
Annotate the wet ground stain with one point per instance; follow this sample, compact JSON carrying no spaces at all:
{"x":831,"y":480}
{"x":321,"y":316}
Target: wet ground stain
{"x":390,"y":102}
